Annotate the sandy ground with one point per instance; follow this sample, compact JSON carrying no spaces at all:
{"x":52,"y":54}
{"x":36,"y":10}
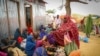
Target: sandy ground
{"x":92,"y":48}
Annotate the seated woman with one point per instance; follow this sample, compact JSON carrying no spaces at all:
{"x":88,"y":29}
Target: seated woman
{"x":17,"y":34}
{"x":42,"y":33}
{"x":40,"y":50}
{"x":24,"y":33}
{"x":49,"y":28}
{"x":30,"y":45}
{"x":5,"y":44}
{"x":9,"y":46}
{"x":39,"y":42}
{"x":41,"y":27}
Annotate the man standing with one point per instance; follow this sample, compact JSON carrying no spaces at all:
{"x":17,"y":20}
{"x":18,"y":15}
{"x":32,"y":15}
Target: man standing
{"x":58,"y":21}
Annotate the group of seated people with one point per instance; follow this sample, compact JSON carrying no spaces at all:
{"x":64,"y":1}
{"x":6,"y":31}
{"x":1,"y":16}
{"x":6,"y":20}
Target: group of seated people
{"x":27,"y":43}
{"x":42,"y":42}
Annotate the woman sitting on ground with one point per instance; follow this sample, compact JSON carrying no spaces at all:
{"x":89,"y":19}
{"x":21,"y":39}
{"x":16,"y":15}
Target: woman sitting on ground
{"x":30,"y":45}
{"x":40,"y":49}
{"x":5,"y":44}
{"x":9,"y":46}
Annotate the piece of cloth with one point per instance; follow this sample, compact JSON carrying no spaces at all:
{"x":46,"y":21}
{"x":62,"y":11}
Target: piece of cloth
{"x":51,"y":39}
{"x":58,"y":21}
{"x":54,"y":25}
{"x":23,"y":43}
{"x":40,"y":51}
{"x":24,"y":33}
{"x":30,"y":46}
{"x":60,"y":52}
{"x":48,"y":30}
{"x":17,"y":34}
{"x":39,"y":43}
{"x":16,"y":52}
{"x":3,"y":54}
{"x":20,"y":39}
{"x":70,"y":47}
{"x":68,"y":25}
{"x":75,"y":53}
{"x":41,"y":27}
{"x":42,"y":34}
{"x":67,"y":39}
{"x":29,"y":30}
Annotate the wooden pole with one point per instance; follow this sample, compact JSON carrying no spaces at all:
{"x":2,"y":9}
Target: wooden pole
{"x":67,"y":7}
{"x":19,"y":21}
{"x":8,"y":19}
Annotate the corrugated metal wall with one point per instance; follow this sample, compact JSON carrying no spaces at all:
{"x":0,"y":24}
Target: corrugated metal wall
{"x":13,"y":16}
{"x":22,"y":14}
{"x":38,"y":14}
{"x":3,"y":20}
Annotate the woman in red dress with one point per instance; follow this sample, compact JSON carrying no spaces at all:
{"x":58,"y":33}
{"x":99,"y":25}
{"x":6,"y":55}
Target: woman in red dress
{"x":70,"y":26}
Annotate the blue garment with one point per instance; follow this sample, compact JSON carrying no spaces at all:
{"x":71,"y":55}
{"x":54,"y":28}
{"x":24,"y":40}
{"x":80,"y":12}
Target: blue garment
{"x":17,"y":34}
{"x":85,"y":39}
{"x":42,"y":34}
{"x":40,"y":51}
{"x":30,"y":46}
{"x":24,"y":34}
{"x":41,"y":27}
{"x":48,"y":30}
{"x":51,"y":39}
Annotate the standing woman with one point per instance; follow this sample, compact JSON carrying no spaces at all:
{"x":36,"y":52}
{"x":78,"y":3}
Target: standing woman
{"x":71,"y":27}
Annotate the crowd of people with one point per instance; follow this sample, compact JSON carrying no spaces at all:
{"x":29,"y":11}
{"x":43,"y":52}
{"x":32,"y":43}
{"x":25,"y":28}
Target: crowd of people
{"x":46,"y":41}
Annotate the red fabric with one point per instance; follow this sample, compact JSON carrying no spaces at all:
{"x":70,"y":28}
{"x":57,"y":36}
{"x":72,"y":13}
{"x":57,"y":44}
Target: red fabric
{"x":29,"y":29}
{"x":73,"y":32}
{"x":20,"y":39}
{"x":39,"y":43}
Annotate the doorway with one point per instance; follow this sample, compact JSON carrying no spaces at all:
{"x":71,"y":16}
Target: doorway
{"x":28,"y":14}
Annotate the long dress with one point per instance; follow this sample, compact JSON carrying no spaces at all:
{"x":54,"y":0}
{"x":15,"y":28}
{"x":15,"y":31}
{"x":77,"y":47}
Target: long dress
{"x":68,"y":25}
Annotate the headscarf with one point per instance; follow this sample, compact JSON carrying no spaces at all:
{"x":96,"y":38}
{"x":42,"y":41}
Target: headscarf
{"x":17,"y":34}
{"x":41,"y":27}
{"x":3,"y":54}
{"x":68,"y":25}
{"x":30,"y":30}
{"x":30,"y":46}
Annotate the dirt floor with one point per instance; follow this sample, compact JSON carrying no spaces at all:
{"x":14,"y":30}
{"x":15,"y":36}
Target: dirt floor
{"x":92,"y":48}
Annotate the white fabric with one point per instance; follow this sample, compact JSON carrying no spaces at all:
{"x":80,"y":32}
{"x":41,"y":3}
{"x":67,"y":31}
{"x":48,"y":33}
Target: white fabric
{"x":23,"y":43}
{"x":57,"y":22}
